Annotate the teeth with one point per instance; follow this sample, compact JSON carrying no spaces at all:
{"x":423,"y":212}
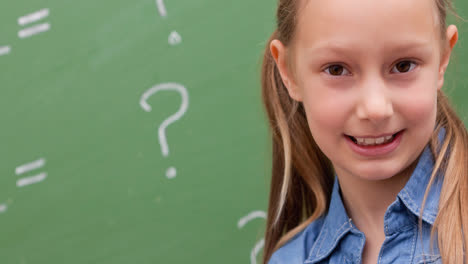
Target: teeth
{"x":379,"y":140}
{"x":373,"y":141}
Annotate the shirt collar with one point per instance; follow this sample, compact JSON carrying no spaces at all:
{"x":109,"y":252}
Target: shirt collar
{"x":412,"y":195}
{"x":337,"y":223}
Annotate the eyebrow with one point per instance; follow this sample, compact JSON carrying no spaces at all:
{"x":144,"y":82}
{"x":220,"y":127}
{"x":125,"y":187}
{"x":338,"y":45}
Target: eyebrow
{"x":340,"y":48}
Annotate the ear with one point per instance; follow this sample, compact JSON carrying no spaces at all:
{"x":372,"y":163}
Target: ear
{"x":452,"y":38}
{"x":279,"y":53}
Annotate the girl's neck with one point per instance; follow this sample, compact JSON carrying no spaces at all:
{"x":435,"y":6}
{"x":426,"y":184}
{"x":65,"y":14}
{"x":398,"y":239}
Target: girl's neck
{"x":366,"y":201}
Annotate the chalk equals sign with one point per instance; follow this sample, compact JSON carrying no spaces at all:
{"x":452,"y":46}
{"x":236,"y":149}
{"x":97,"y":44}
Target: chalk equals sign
{"x":37,"y":164}
{"x":32,"y":18}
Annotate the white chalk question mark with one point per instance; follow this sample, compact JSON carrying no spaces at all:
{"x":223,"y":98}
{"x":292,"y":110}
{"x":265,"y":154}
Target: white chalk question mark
{"x":174,"y":37}
{"x":171,"y":172}
{"x":261,"y":243}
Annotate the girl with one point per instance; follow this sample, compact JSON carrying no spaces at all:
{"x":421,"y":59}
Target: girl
{"x":370,"y":162}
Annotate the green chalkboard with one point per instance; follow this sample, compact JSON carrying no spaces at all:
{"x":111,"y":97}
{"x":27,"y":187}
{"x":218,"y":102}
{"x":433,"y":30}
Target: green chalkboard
{"x":133,"y":131}
{"x":84,"y":177}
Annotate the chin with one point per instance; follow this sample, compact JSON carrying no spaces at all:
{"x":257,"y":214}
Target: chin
{"x":376,"y":177}
{"x":377,"y":173}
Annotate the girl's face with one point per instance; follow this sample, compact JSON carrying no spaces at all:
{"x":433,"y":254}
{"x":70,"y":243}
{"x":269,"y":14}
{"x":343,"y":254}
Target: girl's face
{"x":367,"y":73}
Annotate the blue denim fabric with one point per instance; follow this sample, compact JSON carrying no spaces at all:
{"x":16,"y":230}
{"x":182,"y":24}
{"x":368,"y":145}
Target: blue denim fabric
{"x":333,"y":238}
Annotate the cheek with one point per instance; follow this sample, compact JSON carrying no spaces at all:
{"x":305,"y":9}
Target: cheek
{"x":326,"y":111}
{"x":418,"y":107}
{"x":420,"y":103}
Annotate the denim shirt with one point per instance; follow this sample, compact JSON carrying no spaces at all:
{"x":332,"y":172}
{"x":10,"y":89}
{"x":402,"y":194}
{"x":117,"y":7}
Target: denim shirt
{"x":333,"y":238}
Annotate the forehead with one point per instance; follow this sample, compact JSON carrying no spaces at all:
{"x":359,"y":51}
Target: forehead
{"x":366,"y":23}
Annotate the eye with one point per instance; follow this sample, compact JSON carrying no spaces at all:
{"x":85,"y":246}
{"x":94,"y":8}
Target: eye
{"x":335,"y":70}
{"x":405,"y":66}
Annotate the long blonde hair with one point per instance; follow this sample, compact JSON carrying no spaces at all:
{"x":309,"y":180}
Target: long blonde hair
{"x":302,"y":176}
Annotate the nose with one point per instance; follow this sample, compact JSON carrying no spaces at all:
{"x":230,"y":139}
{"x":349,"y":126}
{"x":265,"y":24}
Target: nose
{"x":374,"y":102}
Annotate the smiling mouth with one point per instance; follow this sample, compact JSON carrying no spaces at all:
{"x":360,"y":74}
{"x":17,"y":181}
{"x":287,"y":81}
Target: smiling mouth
{"x":373,"y":141}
